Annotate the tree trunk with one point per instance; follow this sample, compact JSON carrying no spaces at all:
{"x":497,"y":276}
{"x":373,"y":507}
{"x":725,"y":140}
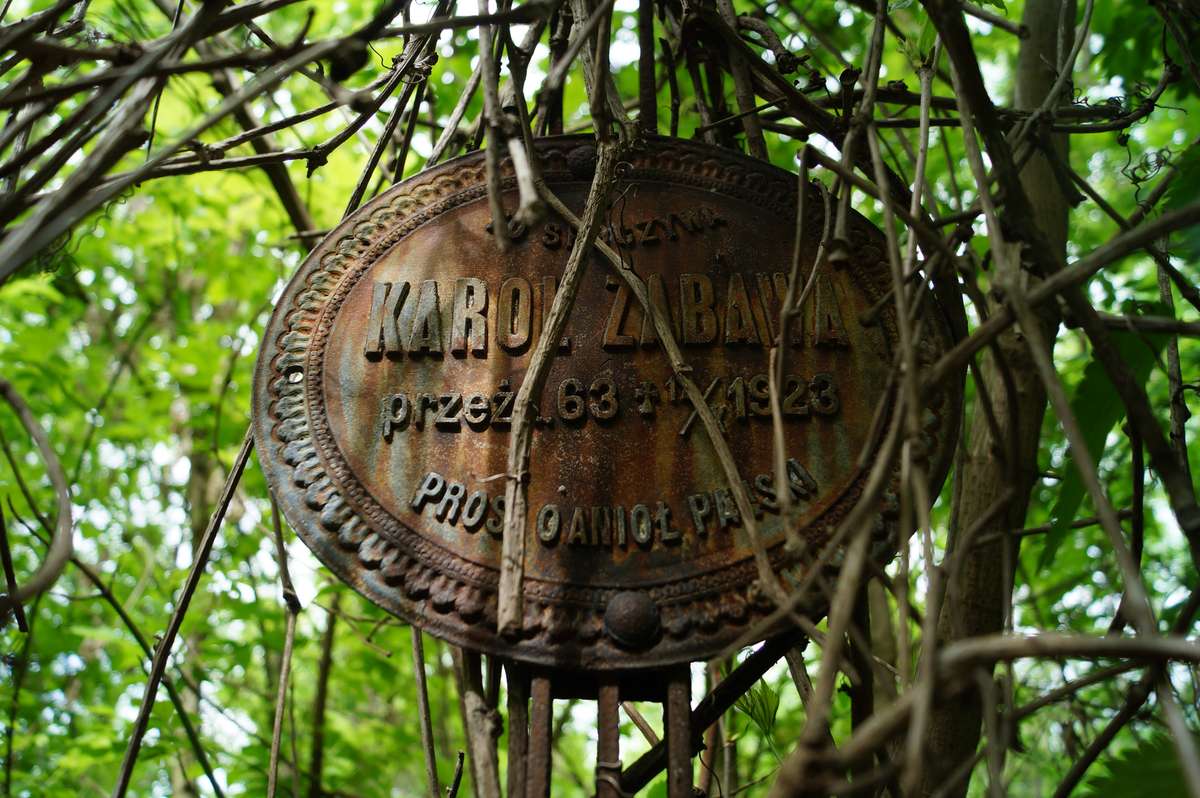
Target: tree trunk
{"x":979,"y":595}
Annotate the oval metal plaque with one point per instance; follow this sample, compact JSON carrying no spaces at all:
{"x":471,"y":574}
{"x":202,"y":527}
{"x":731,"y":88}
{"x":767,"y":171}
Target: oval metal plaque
{"x":385,"y":386}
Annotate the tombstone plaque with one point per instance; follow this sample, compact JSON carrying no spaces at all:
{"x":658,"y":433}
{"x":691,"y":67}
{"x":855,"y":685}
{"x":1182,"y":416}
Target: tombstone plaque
{"x":385,"y":386}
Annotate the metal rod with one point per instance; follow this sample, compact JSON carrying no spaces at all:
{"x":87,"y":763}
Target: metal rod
{"x":537,"y":772}
{"x":518,"y":727}
{"x":679,"y":733}
{"x":711,"y":707}
{"x":647,"y":90}
{"x":608,"y":743}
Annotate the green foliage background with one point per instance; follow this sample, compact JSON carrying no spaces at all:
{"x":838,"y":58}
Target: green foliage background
{"x":135,"y":340}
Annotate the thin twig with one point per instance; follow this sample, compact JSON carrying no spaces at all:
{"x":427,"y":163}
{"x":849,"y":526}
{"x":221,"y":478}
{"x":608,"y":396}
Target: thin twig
{"x":292,"y":605}
{"x":418,"y":652}
{"x":62,"y":540}
{"x":512,"y":563}
{"x":452,"y":790}
{"x":316,"y":759}
{"x":163,"y":649}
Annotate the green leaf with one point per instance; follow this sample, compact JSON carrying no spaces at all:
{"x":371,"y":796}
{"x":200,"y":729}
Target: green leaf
{"x":39,"y":285}
{"x":927,"y":39}
{"x":761,"y":705}
{"x":1149,"y":768}
{"x":919,"y":49}
{"x":1184,"y":191}
{"x":1098,"y":408}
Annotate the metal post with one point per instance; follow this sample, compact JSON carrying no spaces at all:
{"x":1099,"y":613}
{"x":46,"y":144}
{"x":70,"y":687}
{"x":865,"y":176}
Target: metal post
{"x":647,"y":90}
{"x":518,"y":727}
{"x":537,"y":769}
{"x":679,"y":733}
{"x":608,"y":743}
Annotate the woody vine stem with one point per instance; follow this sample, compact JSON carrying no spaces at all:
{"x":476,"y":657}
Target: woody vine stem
{"x":80,"y":111}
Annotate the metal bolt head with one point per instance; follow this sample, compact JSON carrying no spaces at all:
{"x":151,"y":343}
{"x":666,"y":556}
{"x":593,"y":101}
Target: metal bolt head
{"x":631,"y":620}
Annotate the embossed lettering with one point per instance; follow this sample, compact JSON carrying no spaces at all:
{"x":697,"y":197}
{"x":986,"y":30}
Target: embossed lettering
{"x":760,"y":301}
{"x":794,"y":403}
{"x":427,"y":321}
{"x":578,"y":533}
{"x":769,"y":303}
{"x":552,"y":236}
{"x":604,"y":403}
{"x":447,"y":415}
{"x":739,"y":318}
{"x":657,"y":289}
{"x":447,"y":509}
{"x":424,"y":403}
{"x":502,"y":404}
{"x":383,"y":333}
{"x":570,"y":400}
{"x":579,"y":400}
{"x":429,"y":490}
{"x":601,"y":527}
{"x":495,"y":521}
{"x":823,"y":392}
{"x":640,"y":520}
{"x":683,"y":220}
{"x":802,"y":483}
{"x":828,"y":327}
{"x":394,"y":411}
{"x":473,"y":510}
{"x":708,"y":217}
{"x":701,"y":508}
{"x":727,"y":511}
{"x":548,"y":523}
{"x":666,"y":532}
{"x":646,"y":395}
{"x":619,"y":525}
{"x":647,"y":231}
{"x":613,"y":337}
{"x":772,"y":290}
{"x":514,"y":316}
{"x":765,"y":486}
{"x":468,"y":320}
{"x":698,"y":317}
{"x":759,"y":394}
{"x":475,"y":410}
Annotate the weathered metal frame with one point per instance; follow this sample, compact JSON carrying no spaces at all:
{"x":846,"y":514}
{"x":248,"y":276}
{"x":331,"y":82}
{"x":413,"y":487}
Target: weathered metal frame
{"x":530,"y":729}
{"x":532,"y":691}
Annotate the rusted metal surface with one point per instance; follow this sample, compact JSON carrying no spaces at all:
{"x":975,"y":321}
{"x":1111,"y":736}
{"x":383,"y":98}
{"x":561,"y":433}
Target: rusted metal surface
{"x":518,"y":728}
{"x":678,"y":712}
{"x":540,"y":746}
{"x":608,"y":740}
{"x":631,"y":619}
{"x":385,"y":385}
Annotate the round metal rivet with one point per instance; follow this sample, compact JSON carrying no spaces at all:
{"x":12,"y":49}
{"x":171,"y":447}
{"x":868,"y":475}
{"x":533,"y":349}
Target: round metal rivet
{"x":631,"y":620}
